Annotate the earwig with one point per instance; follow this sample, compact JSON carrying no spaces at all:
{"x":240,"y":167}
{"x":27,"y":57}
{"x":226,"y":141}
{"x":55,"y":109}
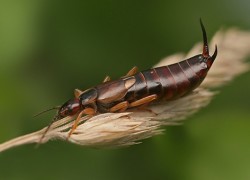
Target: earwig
{"x":137,"y":89}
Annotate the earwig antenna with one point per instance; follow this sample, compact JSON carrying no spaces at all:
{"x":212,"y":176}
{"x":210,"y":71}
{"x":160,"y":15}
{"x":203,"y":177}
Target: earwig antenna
{"x":45,"y":132}
{"x":57,"y":107}
{"x":205,"y":46}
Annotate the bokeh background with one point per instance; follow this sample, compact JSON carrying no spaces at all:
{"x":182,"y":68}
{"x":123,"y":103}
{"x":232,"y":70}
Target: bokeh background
{"x":48,"y":48}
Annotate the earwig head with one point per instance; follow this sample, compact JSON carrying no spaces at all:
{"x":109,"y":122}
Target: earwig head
{"x":69,"y":108}
{"x":206,"y":57}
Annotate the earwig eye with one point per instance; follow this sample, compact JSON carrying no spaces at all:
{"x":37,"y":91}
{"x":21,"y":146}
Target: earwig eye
{"x":70,"y":109}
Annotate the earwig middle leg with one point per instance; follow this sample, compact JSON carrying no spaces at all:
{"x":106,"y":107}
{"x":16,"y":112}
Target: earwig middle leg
{"x":120,"y":107}
{"x":132,"y":71}
{"x":106,"y":79}
{"x":143,"y":101}
{"x":87,"y":111}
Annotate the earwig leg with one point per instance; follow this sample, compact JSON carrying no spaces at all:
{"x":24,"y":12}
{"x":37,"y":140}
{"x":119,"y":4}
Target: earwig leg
{"x":106,"y":79}
{"x":144,"y":108}
{"x":144,"y":100}
{"x":77,"y":93}
{"x":122,"y":106}
{"x":46,"y":130}
{"x":125,"y":116}
{"x":133,"y":71}
{"x":75,"y":123}
{"x":88,"y":111}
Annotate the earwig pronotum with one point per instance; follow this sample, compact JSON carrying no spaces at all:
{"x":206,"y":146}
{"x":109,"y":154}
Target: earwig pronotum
{"x":137,"y":89}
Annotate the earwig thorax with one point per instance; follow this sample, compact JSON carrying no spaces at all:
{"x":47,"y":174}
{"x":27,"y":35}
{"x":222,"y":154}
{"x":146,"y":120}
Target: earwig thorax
{"x":88,"y":96}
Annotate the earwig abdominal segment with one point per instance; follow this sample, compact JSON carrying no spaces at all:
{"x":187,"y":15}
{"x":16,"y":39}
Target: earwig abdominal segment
{"x":138,"y":89}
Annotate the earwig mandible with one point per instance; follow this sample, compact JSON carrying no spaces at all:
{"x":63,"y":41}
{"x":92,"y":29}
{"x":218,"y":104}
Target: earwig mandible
{"x":137,"y":89}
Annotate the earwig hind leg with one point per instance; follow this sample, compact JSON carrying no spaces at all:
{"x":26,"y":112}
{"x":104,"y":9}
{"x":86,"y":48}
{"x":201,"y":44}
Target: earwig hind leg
{"x":133,"y":71}
{"x":144,"y":108}
{"x":120,"y":107}
{"x":143,"y":101}
{"x":87,"y":111}
{"x":77,"y":92}
{"x":106,"y":79}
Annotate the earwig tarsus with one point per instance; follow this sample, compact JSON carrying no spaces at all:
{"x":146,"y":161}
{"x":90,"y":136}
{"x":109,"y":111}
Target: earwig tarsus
{"x":139,"y":88}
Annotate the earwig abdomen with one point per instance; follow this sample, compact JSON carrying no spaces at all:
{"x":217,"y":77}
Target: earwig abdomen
{"x":168,"y":82}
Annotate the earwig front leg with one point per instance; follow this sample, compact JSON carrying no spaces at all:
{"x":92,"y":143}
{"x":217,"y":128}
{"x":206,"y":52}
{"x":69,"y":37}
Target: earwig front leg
{"x":120,"y":107}
{"x":46,"y":130}
{"x":133,"y":71}
{"x":143,"y":101}
{"x":106,"y":79}
{"x":87,"y":111}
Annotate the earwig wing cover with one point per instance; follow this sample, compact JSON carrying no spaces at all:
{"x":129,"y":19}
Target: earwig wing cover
{"x":115,"y":129}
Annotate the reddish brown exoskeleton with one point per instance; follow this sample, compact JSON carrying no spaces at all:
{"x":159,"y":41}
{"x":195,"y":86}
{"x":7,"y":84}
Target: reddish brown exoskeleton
{"x":138,"y":89}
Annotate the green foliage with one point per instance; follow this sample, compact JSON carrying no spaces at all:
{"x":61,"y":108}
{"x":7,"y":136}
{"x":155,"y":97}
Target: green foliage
{"x":48,"y":48}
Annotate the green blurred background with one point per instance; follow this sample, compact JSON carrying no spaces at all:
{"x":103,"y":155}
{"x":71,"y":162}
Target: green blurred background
{"x":48,"y":48}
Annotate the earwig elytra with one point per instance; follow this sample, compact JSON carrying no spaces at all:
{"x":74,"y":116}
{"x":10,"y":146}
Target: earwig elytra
{"x":137,"y":89}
